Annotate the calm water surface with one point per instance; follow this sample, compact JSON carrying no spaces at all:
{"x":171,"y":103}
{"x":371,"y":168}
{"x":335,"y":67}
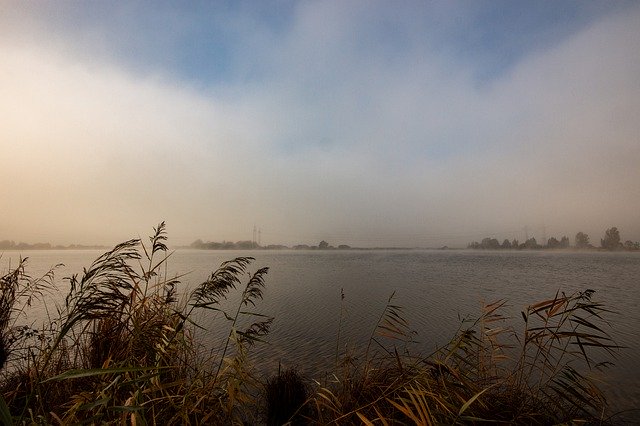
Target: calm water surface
{"x":435,"y":288}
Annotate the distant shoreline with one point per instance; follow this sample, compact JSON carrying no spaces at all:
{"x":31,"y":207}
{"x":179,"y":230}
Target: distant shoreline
{"x":247,"y":245}
{"x":554,"y":250}
{"x":312,"y":248}
{"x":47,"y":246}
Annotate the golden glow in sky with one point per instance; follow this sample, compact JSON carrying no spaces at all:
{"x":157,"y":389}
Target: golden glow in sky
{"x":344,"y":121}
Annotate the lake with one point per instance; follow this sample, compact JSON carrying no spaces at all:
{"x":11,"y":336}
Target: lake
{"x":435,"y":288}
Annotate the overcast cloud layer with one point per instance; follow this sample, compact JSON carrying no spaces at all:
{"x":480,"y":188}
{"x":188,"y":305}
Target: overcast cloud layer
{"x":354,"y":122}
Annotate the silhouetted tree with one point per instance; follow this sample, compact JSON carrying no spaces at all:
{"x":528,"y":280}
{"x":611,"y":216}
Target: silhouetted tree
{"x":490,"y":244}
{"x":197,"y":244}
{"x":7,"y":245}
{"x":245,"y":245}
{"x":506,"y":244}
{"x":553,"y":243}
{"x":323,"y":245}
{"x":611,"y":240}
{"x":564,"y":242}
{"x":531,"y":243}
{"x":582,"y":240}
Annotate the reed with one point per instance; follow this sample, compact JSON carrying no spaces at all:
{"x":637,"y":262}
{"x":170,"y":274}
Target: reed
{"x":123,"y":349}
{"x":488,"y":372}
{"x":286,"y":397}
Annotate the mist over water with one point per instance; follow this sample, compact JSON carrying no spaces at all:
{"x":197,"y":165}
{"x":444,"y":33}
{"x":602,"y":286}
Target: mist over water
{"x":435,"y":288}
{"x":363,"y":123}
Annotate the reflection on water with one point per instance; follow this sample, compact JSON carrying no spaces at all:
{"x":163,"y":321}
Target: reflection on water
{"x":436,"y":289}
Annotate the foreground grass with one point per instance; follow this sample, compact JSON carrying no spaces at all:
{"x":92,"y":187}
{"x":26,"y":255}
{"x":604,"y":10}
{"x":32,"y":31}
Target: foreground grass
{"x":121,"y":349}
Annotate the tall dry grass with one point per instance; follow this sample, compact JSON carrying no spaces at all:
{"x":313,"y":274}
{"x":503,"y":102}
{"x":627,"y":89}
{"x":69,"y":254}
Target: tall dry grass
{"x":488,"y":372}
{"x":123,"y":349}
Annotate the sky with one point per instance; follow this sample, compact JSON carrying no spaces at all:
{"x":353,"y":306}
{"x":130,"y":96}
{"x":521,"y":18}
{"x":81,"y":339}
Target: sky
{"x":369,"y":123}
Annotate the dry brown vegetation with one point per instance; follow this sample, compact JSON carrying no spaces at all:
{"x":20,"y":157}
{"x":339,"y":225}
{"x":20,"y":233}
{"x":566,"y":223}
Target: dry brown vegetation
{"x":122,"y":349}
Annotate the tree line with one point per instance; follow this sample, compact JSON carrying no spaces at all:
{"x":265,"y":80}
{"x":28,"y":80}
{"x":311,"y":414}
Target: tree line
{"x":611,"y":241}
{"x":246,"y":245}
{"x":12,"y":245}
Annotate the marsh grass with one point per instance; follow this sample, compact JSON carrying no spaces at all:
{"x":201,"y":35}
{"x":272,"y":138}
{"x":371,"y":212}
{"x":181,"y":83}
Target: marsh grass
{"x":123,"y":348}
{"x":286,"y":396}
{"x":488,"y":372}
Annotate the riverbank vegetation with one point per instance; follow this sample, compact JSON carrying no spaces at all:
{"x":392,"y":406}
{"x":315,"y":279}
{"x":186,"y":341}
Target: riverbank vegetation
{"x":611,"y":242}
{"x":251,"y":245}
{"x":123,"y":349}
{"x":12,"y":245}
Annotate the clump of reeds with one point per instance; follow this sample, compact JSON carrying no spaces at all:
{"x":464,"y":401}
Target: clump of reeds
{"x":285,"y":399}
{"x":488,"y":372}
{"x":121,"y":348}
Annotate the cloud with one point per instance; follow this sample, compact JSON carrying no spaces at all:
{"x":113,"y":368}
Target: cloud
{"x":344,"y":125}
{"x":87,"y":146}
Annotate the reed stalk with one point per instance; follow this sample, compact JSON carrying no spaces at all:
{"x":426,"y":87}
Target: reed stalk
{"x":122,"y":349}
